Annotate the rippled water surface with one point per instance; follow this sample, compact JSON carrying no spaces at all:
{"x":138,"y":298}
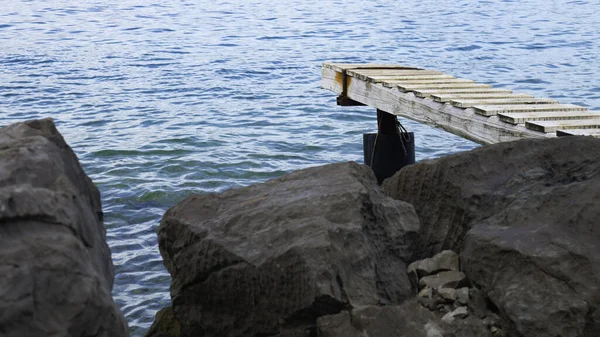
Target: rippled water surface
{"x":160,"y":99}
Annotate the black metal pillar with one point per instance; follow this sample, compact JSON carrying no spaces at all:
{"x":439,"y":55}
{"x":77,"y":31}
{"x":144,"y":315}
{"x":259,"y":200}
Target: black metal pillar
{"x":390,"y":149}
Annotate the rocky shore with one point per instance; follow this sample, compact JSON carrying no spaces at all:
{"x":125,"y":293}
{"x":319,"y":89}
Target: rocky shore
{"x":500,"y":241}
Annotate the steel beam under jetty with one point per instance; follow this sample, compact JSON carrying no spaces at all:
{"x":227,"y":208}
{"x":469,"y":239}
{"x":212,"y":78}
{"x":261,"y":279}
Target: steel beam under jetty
{"x":472,"y":110}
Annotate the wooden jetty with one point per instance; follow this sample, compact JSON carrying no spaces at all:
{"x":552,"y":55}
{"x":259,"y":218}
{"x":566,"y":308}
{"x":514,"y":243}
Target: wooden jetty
{"x":461,"y":106}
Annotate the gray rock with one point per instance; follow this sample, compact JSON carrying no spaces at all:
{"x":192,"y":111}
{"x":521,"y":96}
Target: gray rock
{"x":444,"y":261}
{"x":542,"y":279}
{"x":56,"y":272}
{"x":167,"y":325}
{"x":448,"y":318}
{"x":467,"y":327}
{"x":271,"y":258}
{"x":477,"y":303}
{"x":448,"y":294}
{"x":429,"y":303}
{"x":408,"y":319}
{"x":426,"y":293}
{"x":462,"y":295}
{"x":433,"y":330}
{"x":498,"y":332}
{"x":445,"y":279}
{"x":337,"y":325}
{"x":531,"y":211}
{"x":458,"y":313}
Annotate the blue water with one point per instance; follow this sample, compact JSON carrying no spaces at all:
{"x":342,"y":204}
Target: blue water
{"x":160,"y":99}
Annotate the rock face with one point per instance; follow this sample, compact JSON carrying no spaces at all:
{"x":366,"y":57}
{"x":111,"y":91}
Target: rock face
{"x":56,"y":272}
{"x":446,"y":260}
{"x":269,"y":259}
{"x":406,"y":320}
{"x":525,"y":216}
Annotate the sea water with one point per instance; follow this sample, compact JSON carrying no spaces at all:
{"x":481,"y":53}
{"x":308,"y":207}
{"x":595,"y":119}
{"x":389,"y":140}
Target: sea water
{"x":160,"y":99}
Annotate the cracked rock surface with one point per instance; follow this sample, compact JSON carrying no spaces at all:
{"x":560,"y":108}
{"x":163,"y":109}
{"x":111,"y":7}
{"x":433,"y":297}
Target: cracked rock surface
{"x":56,"y":272}
{"x":269,"y":259}
{"x":525,"y":217}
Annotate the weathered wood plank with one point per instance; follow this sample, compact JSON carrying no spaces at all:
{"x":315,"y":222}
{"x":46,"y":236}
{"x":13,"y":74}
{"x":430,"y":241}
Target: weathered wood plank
{"x":414,"y":87}
{"x":491,"y":110}
{"x":378,"y":78}
{"x":344,"y":66}
{"x":491,"y":95}
{"x":423,"y":93}
{"x":430,"y":81}
{"x":364,"y":74}
{"x":392,"y":83}
{"x":332,"y":80}
{"x":522,"y":117}
{"x":578,"y":132}
{"x":462,"y":122}
{"x":467,"y":103}
{"x":473,"y":108}
{"x":552,"y":126}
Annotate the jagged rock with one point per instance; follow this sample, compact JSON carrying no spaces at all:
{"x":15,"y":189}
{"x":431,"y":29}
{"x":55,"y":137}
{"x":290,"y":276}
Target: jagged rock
{"x":446,"y":260}
{"x":544,"y":280}
{"x":56,"y":272}
{"x":406,"y":320}
{"x":531,"y":210}
{"x":462,"y":295}
{"x":477,"y":302}
{"x":337,"y":325}
{"x":460,"y":313}
{"x":468,"y":327}
{"x":448,"y":294}
{"x":426,"y":293}
{"x":428,"y":302}
{"x":445,"y":279}
{"x":447,"y":318}
{"x":271,"y":258}
{"x":167,"y":325}
{"x":492,"y":320}
{"x":433,"y":330}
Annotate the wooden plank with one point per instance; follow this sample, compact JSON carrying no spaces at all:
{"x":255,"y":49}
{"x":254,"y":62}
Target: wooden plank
{"x":492,"y":95}
{"x":344,"y":66}
{"x":391,"y":83}
{"x":415,"y":87}
{"x":365,"y":73}
{"x":578,"y":132}
{"x":423,"y":93}
{"x":379,"y":78}
{"x":467,"y":103}
{"x":491,"y":110}
{"x":465,"y":123}
{"x":522,"y":117}
{"x":552,"y":126}
{"x":332,"y":80}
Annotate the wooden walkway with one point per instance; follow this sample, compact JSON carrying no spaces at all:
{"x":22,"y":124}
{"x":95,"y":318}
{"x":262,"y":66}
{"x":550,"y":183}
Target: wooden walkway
{"x":472,"y":110}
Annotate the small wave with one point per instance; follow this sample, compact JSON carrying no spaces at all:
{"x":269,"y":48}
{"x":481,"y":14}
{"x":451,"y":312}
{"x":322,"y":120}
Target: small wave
{"x":133,"y":153}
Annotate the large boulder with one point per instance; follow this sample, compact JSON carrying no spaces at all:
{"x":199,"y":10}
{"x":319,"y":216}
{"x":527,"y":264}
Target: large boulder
{"x":409,"y":319}
{"x":56,"y":272}
{"x":526,"y":217}
{"x":269,"y":259}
